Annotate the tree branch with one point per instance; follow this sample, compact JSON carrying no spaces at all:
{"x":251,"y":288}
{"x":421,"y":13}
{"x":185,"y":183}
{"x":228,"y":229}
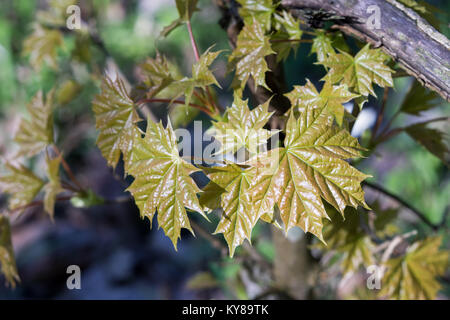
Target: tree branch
{"x":420,"y":50}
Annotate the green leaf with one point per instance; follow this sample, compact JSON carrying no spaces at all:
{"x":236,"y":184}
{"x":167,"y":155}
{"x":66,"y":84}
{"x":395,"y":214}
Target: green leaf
{"x":418,"y":99}
{"x":55,"y":15}
{"x":162,"y":180}
{"x":68,"y":91}
{"x":86,"y":199}
{"x":311,"y":166}
{"x":35,"y":134}
{"x":201,"y":77}
{"x":331,"y":97}
{"x":322,"y":46}
{"x":53,"y":187}
{"x":242,"y":127}
{"x":115,"y":118}
{"x":260,"y":10}
{"x":413,"y":276}
{"x":42,"y":47}
{"x":359,"y":72}
{"x":287,"y":36}
{"x":435,"y":141}
{"x":238,"y":218}
{"x":186,"y":9}
{"x":210,"y":196}
{"x":249,"y":55}
{"x":7,"y":259}
{"x":21,"y":184}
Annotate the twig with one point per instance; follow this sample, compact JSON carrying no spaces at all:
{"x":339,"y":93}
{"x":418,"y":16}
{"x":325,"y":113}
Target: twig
{"x":67,"y":169}
{"x":405,"y":204}
{"x":380,"y":113}
{"x":216,"y":243}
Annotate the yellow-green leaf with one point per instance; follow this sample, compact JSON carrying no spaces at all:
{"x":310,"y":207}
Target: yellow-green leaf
{"x":35,"y":134}
{"x":260,"y":10}
{"x":322,"y":46}
{"x":331,"y":97}
{"x":242,"y":127}
{"x":359,"y":72}
{"x":310,"y":167}
{"x":7,"y":259}
{"x":115,"y":118}
{"x":413,"y":276}
{"x":238,"y":218}
{"x":249,"y":55}
{"x":42,"y":47}
{"x":288,"y":35}
{"x":53,"y":187}
{"x":162,"y":180}
{"x":21,"y":184}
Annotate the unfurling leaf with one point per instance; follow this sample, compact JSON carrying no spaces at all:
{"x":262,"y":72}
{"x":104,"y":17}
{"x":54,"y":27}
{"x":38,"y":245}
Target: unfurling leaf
{"x":311,"y":166}
{"x":162,"y":180}
{"x":42,"y":47}
{"x":157,"y":75}
{"x":238,"y":218}
{"x":242,"y":127}
{"x":115,"y":118}
{"x":413,"y":276}
{"x":287,"y":37}
{"x":7,"y":259}
{"x":53,"y":186}
{"x":186,"y":9}
{"x":21,"y":184}
{"x":359,"y":72}
{"x":35,"y":134}
{"x":249,"y":55}
{"x":435,"y":141}
{"x":331,"y":97}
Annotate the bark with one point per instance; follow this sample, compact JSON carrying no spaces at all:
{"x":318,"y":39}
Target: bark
{"x":420,"y":50}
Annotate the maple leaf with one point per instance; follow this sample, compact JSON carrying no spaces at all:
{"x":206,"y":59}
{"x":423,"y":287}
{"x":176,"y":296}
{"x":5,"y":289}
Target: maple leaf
{"x":21,"y":184}
{"x":201,"y":77}
{"x":210,"y":196}
{"x":55,"y":15}
{"x":322,"y":46}
{"x":249,"y":55}
{"x":162,"y":182}
{"x":53,"y":187}
{"x":7,"y":259}
{"x":359,"y":72}
{"x":42,"y":46}
{"x":287,"y":36}
{"x":418,"y":99}
{"x":115,"y":118}
{"x":331,"y":97}
{"x":311,"y":166}
{"x":413,"y":276}
{"x":242,"y":127}
{"x":238,"y":219}
{"x":260,"y":10}
{"x":36,"y":134}
{"x":434,"y":140}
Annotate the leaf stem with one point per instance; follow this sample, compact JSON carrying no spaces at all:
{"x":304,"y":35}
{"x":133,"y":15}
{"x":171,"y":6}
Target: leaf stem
{"x":67,"y":169}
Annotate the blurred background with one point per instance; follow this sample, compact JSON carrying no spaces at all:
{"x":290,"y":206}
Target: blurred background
{"x":119,"y":255}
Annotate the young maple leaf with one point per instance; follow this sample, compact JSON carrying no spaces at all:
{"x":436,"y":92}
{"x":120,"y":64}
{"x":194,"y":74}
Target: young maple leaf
{"x":311,"y":166}
{"x":42,"y":46}
{"x":322,"y":46}
{"x":21,"y":184}
{"x":35,"y":134}
{"x":242,"y":127}
{"x":7,"y":259}
{"x":287,"y":37}
{"x":249,"y":55}
{"x":162,"y":180}
{"x":238,"y":218}
{"x":186,"y":9}
{"x":115,"y":118}
{"x":201,"y":77}
{"x":331,"y":97}
{"x":53,"y":187}
{"x":361,"y":71}
{"x":413,"y":276}
{"x":260,"y":10}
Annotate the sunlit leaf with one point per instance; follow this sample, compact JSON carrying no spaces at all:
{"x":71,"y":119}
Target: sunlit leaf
{"x":7,"y":259}
{"x":21,"y":184}
{"x":413,"y":276}
{"x":36,"y":133}
{"x":331,"y":97}
{"x":322,"y":46}
{"x":260,"y":10}
{"x":162,"y":182}
{"x":115,"y":116}
{"x":287,"y":37}
{"x":249,"y":55}
{"x":359,"y":72}
{"x":311,"y":166}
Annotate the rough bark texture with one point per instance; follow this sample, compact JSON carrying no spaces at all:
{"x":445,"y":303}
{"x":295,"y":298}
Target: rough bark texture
{"x":422,"y":51}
